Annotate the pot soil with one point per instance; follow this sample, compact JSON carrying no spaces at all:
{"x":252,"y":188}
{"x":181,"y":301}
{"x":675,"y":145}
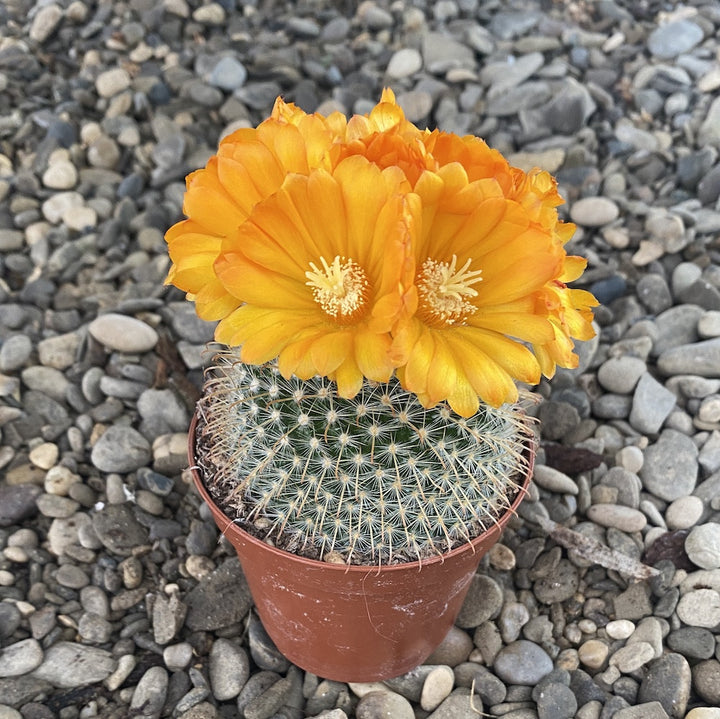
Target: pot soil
{"x":354,"y":623}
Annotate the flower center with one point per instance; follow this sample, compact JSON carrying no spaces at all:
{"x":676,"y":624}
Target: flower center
{"x":445,"y":290}
{"x":340,"y":288}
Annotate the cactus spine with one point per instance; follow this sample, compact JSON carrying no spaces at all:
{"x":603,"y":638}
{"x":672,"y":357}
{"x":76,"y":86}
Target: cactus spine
{"x":375,"y":479}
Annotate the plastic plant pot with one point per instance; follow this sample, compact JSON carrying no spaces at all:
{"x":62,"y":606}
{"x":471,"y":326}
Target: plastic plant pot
{"x":351,"y":622}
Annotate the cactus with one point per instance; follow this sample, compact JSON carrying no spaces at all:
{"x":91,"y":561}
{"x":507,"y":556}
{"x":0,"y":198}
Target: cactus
{"x":375,"y":479}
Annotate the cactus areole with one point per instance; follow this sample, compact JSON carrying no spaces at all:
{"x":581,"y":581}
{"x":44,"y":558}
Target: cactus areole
{"x":359,"y":523}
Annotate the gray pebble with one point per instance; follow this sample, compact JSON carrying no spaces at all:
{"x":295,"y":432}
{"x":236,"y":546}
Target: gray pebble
{"x":522,"y":662}
{"x":123,"y":333}
{"x":149,"y":695}
{"x":229,"y":669}
{"x":381,"y":704}
{"x":89,"y":665}
{"x":670,"y":467}
{"x":652,"y":403}
{"x":702,"y":545}
{"x":482,"y":602}
{"x":20,"y":658}
{"x":667,"y":680}
{"x":120,"y":449}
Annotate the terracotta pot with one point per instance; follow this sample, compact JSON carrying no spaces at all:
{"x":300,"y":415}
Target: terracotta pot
{"x":354,"y":623}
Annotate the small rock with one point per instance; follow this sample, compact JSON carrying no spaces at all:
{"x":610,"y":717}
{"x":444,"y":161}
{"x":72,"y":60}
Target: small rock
{"x":381,"y":704}
{"x":700,"y":608}
{"x":20,"y":658}
{"x":626,"y":519}
{"x":437,"y":686}
{"x":684,"y":512}
{"x":674,"y":38}
{"x":120,"y":449}
{"x":111,"y":82}
{"x":522,"y":662}
{"x":68,"y":665}
{"x":221,"y":600}
{"x":123,"y":333}
{"x":667,"y":680}
{"x":229,"y":669}
{"x":45,"y":22}
{"x":149,"y":695}
{"x":702,"y":545}
{"x":594,"y":211}
{"x":405,"y":62}
{"x":670,"y":468}
{"x":482,"y":602}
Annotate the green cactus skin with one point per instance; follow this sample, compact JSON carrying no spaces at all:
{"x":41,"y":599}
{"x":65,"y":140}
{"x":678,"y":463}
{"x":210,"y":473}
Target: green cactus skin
{"x":372,"y":480}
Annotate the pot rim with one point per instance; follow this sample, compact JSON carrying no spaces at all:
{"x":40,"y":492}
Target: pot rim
{"x":417,"y":564}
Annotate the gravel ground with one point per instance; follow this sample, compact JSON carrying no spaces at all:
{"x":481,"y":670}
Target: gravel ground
{"x":109,"y":565}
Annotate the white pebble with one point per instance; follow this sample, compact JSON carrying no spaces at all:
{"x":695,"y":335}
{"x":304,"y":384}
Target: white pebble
{"x":619,"y":628}
{"x":630,"y":458}
{"x":703,"y":545}
{"x":684,"y":512}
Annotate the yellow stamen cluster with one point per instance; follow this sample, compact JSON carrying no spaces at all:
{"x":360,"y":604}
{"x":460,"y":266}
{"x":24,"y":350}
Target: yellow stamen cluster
{"x":444,"y":290}
{"x":339,"y":288}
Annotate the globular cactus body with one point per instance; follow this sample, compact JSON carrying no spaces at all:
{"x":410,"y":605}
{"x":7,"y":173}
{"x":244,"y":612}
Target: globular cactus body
{"x":373,"y":479}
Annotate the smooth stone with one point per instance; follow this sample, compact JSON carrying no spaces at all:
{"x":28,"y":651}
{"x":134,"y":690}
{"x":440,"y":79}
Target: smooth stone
{"x":404,"y":62}
{"x":487,"y":686}
{"x":45,"y":22}
{"x":222,"y":599}
{"x":20,"y":658}
{"x":621,"y":374}
{"x":522,"y":662}
{"x":553,"y":480}
{"x":652,"y":403}
{"x":700,"y":608}
{"x":684,"y":512}
{"x":380,"y":704}
{"x":117,"y":528}
{"x":111,"y":82}
{"x":437,"y":686}
{"x":229,"y":669}
{"x":674,"y":38}
{"x":459,"y":705}
{"x":619,"y":628}
{"x":632,"y":656}
{"x":559,"y":584}
{"x":482,"y":602}
{"x":626,"y":519}
{"x":17,"y":502}
{"x":703,"y":713}
{"x":178,"y":656}
{"x":228,"y":74}
{"x":555,"y":701}
{"x":667,"y":680}
{"x":692,"y":642}
{"x":702,"y":545}
{"x":670,"y":467}
{"x":60,"y":175}
{"x":123,"y":333}
{"x":15,"y":352}
{"x":594,"y":211}
{"x":149,"y":695}
{"x":68,"y":665}
{"x":593,"y":653}
{"x":706,"y":677}
{"x":700,"y":358}
{"x":121,"y":449}
{"x":454,"y":649}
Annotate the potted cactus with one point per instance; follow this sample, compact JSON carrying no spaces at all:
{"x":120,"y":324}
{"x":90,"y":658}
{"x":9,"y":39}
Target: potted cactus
{"x":379,"y":290}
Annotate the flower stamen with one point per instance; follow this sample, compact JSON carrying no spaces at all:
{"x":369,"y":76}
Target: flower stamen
{"x":445,"y":290}
{"x":339,"y":288}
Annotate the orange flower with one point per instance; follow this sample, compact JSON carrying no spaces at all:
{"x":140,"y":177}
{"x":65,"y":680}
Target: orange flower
{"x":488,"y":274}
{"x":355,"y":248}
{"x":317,"y":271}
